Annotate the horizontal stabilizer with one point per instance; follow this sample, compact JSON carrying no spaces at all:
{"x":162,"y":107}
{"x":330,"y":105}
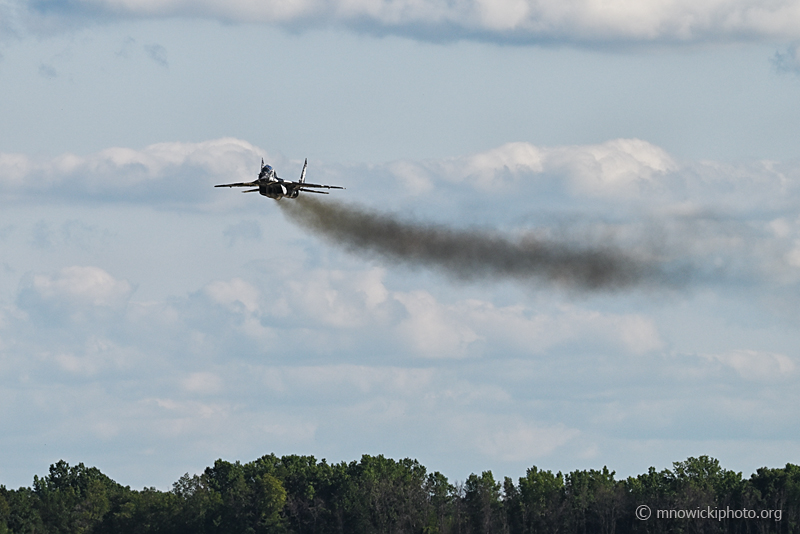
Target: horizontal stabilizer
{"x":251,"y":191}
{"x":323,"y":186}
{"x":241,"y":184}
{"x":312,"y":191}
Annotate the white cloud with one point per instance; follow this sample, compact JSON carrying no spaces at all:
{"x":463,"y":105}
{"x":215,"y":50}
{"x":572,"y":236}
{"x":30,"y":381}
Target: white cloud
{"x":98,"y":355}
{"x":496,"y":168}
{"x":474,"y":327}
{"x":234,"y":295}
{"x":202,"y":382}
{"x":638,"y":334}
{"x":159,"y":173}
{"x":370,"y":284}
{"x":220,"y":426}
{"x":182,"y":174}
{"x":15,"y":168}
{"x":616,"y":166}
{"x":339,"y":298}
{"x":509,"y":438}
{"x":325,"y":310}
{"x":612,"y":166}
{"x":523,"y":21}
{"x":415,"y":179}
{"x":324,"y":380}
{"x":431,"y":329}
{"x":83,"y":286}
{"x":242,"y":301}
{"x":756,"y":365}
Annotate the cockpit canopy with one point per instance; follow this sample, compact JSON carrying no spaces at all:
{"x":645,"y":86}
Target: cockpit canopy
{"x":266,"y":171}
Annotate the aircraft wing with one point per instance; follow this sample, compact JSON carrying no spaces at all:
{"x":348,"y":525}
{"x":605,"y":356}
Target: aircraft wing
{"x":240,"y":184}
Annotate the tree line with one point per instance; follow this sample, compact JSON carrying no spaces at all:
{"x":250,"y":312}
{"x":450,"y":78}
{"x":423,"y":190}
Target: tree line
{"x":300,"y":495}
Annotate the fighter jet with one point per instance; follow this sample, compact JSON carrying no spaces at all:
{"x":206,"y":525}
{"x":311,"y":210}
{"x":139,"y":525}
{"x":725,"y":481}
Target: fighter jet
{"x":269,"y":185}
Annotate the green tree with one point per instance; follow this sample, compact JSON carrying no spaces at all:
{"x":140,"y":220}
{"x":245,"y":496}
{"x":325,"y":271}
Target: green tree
{"x":139,"y":512}
{"x":700,"y":483}
{"x":482,"y":500}
{"x":778,"y":489}
{"x":653,"y":489}
{"x":309,"y":489}
{"x":243,"y":499}
{"x":596,"y":500}
{"x":73,"y":500}
{"x":440,"y":504}
{"x":512,"y":508}
{"x":23,"y":512}
{"x":383,"y":495}
{"x":542,"y":500}
{"x":5,"y":510}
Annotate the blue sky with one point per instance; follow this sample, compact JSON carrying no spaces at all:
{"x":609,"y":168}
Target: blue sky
{"x":150,"y":323}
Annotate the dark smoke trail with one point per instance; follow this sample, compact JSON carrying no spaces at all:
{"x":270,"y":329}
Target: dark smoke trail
{"x":471,"y":254}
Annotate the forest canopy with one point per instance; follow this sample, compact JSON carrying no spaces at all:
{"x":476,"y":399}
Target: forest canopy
{"x":299,"y":494}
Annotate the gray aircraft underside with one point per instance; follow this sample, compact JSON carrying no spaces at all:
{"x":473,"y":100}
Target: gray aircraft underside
{"x":269,"y":185}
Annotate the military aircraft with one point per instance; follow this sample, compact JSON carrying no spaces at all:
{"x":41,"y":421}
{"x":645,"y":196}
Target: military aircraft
{"x":269,"y":185}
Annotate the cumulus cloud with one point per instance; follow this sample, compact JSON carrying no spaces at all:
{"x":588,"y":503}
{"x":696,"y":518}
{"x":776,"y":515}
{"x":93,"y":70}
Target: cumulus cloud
{"x":183,"y":172}
{"x":81,"y":286}
{"x":536,"y":333}
{"x":343,"y":361}
{"x":616,"y":167}
{"x":97,"y":356}
{"x":756,"y":365}
{"x":346,"y":308}
{"x":202,"y":382}
{"x":518,"y":441}
{"x":433,"y":331}
{"x":332,"y":380}
{"x":89,"y":285}
{"x":242,"y":302}
{"x":74,"y":294}
{"x":516,"y":21}
{"x":164,"y":173}
{"x":235,"y":295}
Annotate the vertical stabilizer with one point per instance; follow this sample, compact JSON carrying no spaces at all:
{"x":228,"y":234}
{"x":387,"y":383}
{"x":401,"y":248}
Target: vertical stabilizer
{"x":303,"y":174}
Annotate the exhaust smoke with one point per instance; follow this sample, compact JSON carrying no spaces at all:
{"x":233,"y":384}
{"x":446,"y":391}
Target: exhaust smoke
{"x":474,"y":254}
